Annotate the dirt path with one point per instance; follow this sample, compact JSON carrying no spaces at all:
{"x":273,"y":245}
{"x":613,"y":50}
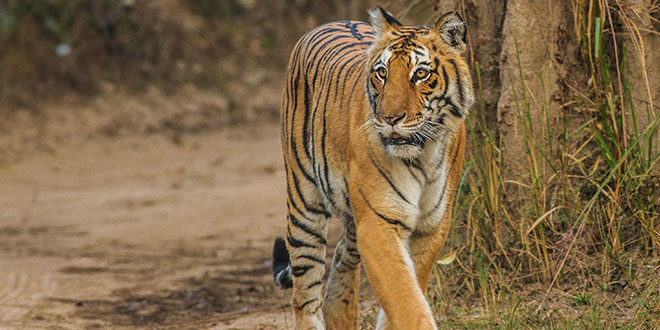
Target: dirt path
{"x":144,"y":232}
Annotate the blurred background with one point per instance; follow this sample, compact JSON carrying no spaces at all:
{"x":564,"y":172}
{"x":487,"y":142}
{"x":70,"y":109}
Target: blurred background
{"x":141,"y":182}
{"x":75,"y":50}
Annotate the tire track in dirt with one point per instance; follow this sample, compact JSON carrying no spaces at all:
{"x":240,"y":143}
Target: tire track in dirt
{"x":20,"y":292}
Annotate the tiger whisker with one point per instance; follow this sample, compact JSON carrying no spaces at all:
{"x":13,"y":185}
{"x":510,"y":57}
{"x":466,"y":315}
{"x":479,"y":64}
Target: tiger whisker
{"x":366,"y":125}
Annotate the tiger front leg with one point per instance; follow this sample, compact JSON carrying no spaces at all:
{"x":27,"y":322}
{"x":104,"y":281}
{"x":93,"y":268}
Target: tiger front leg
{"x":382,"y":237}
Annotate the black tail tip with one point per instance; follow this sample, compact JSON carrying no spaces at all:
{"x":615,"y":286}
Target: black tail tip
{"x":280,"y":253}
{"x":281,"y":269}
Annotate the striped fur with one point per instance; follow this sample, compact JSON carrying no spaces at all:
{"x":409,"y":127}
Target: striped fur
{"x":372,"y":134}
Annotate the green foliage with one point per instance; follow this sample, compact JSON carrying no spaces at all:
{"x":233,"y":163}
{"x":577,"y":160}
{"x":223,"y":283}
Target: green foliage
{"x":581,"y":299}
{"x":55,"y":17}
{"x":54,"y":45}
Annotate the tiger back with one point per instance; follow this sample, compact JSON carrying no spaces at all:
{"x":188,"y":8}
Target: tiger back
{"x":373,"y":134}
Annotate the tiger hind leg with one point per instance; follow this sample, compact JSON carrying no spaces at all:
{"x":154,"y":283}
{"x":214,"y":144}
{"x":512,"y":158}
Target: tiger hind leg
{"x":306,"y":246}
{"x":341,"y":295}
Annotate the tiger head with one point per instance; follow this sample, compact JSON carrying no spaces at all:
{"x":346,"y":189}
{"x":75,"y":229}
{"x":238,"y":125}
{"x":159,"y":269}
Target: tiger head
{"x":418,"y":81}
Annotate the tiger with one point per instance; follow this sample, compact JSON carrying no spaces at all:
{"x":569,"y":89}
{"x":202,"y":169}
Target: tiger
{"x":373,"y":134}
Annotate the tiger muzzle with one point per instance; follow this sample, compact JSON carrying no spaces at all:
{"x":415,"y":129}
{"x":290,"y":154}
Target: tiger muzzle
{"x":398,"y":140}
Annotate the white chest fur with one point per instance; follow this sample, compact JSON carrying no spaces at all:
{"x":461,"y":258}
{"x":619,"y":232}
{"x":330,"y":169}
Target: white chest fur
{"x":423,"y":182}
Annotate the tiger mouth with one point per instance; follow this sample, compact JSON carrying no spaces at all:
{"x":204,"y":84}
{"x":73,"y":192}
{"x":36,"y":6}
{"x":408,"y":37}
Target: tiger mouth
{"x":401,"y":141}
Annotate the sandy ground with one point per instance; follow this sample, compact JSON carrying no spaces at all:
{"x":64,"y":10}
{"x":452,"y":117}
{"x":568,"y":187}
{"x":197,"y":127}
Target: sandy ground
{"x":144,"y":232}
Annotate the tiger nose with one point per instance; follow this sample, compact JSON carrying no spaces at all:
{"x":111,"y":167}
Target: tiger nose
{"x":392,"y":120}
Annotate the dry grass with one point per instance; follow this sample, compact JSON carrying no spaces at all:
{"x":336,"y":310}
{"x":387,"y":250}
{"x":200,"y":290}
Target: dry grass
{"x":579,"y":246}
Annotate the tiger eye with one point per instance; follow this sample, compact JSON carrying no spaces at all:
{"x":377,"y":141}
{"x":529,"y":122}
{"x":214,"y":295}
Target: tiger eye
{"x":421,"y":73}
{"x":382,"y":72}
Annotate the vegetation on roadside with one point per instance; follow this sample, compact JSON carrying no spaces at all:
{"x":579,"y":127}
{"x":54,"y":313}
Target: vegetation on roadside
{"x":56,"y":46}
{"x":580,"y":246}
{"x":54,"y":49}
{"x":73,"y":48}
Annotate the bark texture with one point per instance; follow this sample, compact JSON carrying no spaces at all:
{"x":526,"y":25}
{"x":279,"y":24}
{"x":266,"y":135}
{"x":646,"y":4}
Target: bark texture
{"x":534,"y":40}
{"x":642,"y":49}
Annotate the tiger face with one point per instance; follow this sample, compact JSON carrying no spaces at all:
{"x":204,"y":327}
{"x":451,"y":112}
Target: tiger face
{"x":418,"y":82}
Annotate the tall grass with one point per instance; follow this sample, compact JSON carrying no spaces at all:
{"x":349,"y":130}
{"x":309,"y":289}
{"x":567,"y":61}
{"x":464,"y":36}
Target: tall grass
{"x":584,"y":232}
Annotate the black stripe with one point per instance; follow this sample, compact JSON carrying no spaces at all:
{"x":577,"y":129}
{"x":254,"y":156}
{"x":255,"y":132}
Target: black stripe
{"x":295,"y":242}
{"x":437,"y":167}
{"x":305,"y":131}
{"x":309,"y":208}
{"x":446,"y":78}
{"x":357,"y":61}
{"x":349,"y":232}
{"x":341,"y":70}
{"x":350,"y":264}
{"x":303,"y":227}
{"x":326,"y":172}
{"x":312,"y":258}
{"x":299,"y":271}
{"x":415,"y":164}
{"x":419,"y":182}
{"x":353,"y":252}
{"x":354,"y":87}
{"x":291,"y":203}
{"x":314,"y":284}
{"x":454,"y":110}
{"x":293,"y":148}
{"x":321,"y":44}
{"x":306,"y":303}
{"x":436,"y":206}
{"x":459,"y":83}
{"x":351,"y":249}
{"x":387,"y":219}
{"x":387,"y":177}
{"x":354,"y":31}
{"x":324,"y":54}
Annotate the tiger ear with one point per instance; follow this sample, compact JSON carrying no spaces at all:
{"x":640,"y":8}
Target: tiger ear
{"x":452,"y":29}
{"x":382,"y":20}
